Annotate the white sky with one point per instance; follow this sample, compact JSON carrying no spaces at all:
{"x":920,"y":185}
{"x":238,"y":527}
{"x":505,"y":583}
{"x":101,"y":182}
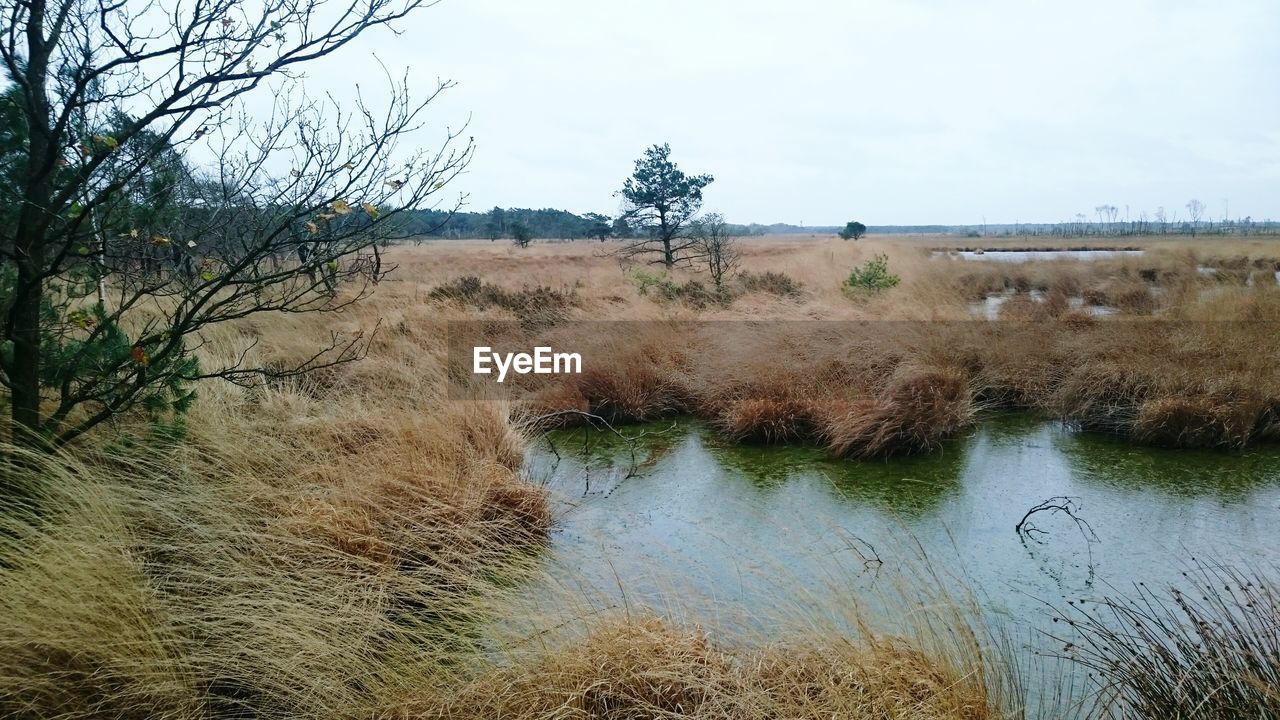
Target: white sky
{"x":888,"y":111}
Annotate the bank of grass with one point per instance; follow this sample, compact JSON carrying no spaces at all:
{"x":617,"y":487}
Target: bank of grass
{"x":1183,"y":358}
{"x":327,"y":547}
{"x":152,"y":592}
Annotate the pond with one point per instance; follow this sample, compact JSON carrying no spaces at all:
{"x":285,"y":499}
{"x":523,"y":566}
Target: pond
{"x":761,"y":530}
{"x":1028,"y":255}
{"x":989,"y":307}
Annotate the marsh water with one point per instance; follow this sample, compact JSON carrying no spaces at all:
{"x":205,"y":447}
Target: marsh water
{"x":1017,"y":256}
{"x":682,"y":516}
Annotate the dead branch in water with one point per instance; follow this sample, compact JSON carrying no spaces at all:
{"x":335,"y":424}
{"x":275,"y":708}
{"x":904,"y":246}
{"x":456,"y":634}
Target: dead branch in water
{"x":598,"y":423}
{"x":1059,"y":504}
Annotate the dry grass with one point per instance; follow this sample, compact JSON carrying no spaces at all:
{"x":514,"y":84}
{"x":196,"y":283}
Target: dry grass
{"x":157,"y":592}
{"x":311,"y":549}
{"x":645,"y":667}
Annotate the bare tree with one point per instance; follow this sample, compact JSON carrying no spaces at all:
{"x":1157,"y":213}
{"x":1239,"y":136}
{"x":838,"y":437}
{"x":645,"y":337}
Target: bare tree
{"x":716,"y":248}
{"x":288,"y":215}
{"x":1195,"y":209}
{"x":1106,"y":218}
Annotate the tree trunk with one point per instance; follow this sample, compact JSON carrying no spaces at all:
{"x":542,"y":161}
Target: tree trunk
{"x":24,"y":331}
{"x":23,"y":326}
{"x":668,"y":257}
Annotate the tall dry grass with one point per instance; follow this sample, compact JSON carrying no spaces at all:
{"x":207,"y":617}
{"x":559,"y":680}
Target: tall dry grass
{"x":193,"y":589}
{"x":313,"y":548}
{"x":644,"y":667}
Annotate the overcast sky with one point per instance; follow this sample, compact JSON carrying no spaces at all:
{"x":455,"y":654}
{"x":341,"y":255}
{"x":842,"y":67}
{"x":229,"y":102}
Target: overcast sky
{"x":888,"y":111}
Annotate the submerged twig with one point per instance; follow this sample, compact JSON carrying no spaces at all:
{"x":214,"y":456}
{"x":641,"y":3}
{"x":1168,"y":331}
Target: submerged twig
{"x":1068,"y":506}
{"x":1059,"y":504}
{"x":596,"y":422}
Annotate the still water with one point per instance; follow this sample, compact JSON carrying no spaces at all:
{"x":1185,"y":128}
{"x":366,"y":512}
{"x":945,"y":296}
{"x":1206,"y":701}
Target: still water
{"x":1028,"y":255}
{"x":764,"y":531}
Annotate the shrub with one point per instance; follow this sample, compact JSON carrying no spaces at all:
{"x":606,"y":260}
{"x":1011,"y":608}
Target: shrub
{"x":521,"y":234}
{"x":873,"y":275}
{"x":853,"y":230}
{"x":692,"y":292}
{"x":469,"y":289}
{"x":538,"y":304}
{"x":773,"y":283}
{"x":646,"y":281}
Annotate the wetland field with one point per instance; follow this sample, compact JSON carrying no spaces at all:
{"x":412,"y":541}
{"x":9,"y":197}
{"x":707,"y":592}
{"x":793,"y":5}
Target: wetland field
{"x":783,"y":499}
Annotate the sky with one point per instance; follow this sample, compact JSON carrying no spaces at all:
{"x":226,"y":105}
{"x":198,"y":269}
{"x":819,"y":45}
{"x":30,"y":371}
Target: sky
{"x":885,"y":111}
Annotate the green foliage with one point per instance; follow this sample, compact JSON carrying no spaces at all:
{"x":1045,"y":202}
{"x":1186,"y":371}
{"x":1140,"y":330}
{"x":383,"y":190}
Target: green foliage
{"x":496,"y":223}
{"x":645,"y":281}
{"x":600,"y":227}
{"x":853,"y":230}
{"x":521,"y":234}
{"x":13,"y":138}
{"x":661,"y":200}
{"x":86,"y":351}
{"x":659,"y":186}
{"x":873,"y":276}
{"x":693,"y":292}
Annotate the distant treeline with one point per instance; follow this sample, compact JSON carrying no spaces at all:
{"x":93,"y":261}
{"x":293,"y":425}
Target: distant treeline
{"x":549,"y":223}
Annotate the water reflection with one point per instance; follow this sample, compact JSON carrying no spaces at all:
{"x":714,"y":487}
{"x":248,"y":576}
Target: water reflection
{"x":1231,"y":477}
{"x":761,"y":528}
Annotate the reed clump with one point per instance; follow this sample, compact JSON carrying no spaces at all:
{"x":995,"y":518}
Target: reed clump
{"x":918,"y":409}
{"x":1208,"y":650}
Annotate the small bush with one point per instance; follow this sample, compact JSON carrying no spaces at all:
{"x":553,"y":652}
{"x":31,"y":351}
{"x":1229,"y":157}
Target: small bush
{"x":526,"y":303}
{"x":646,"y":281}
{"x":692,"y":292}
{"x":873,"y":275}
{"x":472,"y":291}
{"x":773,"y":283}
